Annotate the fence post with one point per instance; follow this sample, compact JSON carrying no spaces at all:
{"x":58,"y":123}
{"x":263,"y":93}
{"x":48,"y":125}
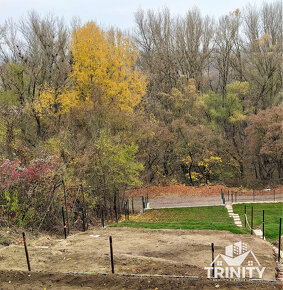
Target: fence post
{"x":274,"y":194}
{"x":125,"y":210}
{"x":111,"y":255}
{"x":213,"y":266}
{"x":115,"y":206}
{"x":245,"y":216}
{"x":236,"y":196}
{"x":252,"y":219}
{"x":83,"y":210}
{"x":279,"y":245}
{"x":26,"y":251}
{"x":232,"y":196}
{"x":64,"y":223}
{"x":83,"y":218}
{"x":65,"y":199}
{"x":128,"y":209}
{"x":102,"y":217}
{"x":253,"y":195}
{"x":133,"y":211}
{"x":263,"y":224}
{"x":143,"y":204}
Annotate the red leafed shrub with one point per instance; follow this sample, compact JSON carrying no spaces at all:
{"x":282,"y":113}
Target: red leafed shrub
{"x":11,"y":173}
{"x":26,"y":191}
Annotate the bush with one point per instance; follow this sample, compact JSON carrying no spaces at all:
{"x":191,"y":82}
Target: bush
{"x":28,"y":190}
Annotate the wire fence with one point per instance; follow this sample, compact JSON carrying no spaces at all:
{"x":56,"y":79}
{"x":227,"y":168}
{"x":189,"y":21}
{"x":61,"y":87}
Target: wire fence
{"x":234,"y":196}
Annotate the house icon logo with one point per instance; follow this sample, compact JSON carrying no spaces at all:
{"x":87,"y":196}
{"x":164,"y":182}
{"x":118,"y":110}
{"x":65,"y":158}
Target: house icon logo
{"x":238,"y":262}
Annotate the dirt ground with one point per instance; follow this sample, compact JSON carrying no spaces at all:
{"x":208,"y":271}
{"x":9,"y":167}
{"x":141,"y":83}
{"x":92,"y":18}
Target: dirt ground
{"x":136,"y":251}
{"x":14,"y":280}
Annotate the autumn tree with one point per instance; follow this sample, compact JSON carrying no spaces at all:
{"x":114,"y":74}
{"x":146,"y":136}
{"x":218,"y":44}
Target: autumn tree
{"x":230,"y":121}
{"x":263,"y":50}
{"x":34,"y":57}
{"x":104,"y":68}
{"x":265,"y":143}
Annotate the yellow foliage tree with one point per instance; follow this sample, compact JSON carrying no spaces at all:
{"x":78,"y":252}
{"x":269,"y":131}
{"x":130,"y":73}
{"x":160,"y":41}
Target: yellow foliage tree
{"x":104,"y":68}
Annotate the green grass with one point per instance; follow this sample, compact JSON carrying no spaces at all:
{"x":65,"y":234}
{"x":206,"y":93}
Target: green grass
{"x":192,"y":218}
{"x":272,"y":214}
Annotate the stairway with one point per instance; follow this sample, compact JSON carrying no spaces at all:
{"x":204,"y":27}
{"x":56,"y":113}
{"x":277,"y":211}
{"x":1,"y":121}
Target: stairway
{"x":236,"y":217}
{"x":257,"y":233}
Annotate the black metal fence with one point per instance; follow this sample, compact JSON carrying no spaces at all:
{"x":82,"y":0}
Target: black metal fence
{"x":233,"y":196}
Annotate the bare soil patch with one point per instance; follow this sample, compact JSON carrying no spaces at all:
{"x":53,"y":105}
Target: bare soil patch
{"x":11,"y":280}
{"x":171,"y":252}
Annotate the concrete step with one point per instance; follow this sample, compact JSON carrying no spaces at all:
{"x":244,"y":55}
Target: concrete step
{"x":236,"y":218}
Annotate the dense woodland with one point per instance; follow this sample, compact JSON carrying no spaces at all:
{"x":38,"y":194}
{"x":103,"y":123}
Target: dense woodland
{"x":182,"y":99}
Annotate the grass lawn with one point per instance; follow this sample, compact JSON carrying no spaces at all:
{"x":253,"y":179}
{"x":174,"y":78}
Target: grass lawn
{"x":191,"y":218}
{"x":272,"y":213}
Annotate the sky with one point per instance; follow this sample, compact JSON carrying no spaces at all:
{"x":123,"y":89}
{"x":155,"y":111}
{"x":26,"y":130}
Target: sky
{"x":118,"y":13}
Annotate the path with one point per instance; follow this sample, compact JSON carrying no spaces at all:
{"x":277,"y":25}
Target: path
{"x":172,"y":201}
{"x":236,"y":217}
